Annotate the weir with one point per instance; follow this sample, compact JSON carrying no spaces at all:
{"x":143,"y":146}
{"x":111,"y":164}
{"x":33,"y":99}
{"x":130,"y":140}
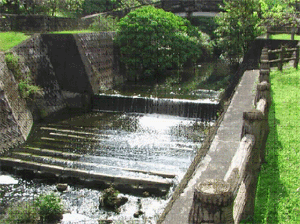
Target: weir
{"x":203,"y":109}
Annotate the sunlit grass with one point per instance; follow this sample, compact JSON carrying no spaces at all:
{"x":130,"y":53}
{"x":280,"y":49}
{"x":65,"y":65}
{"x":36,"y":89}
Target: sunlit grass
{"x":278,"y":191}
{"x":72,"y":31}
{"x":11,"y":39}
{"x":284,"y":37}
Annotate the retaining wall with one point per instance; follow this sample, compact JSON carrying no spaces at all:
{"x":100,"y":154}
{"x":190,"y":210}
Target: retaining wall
{"x":37,"y":23}
{"x":15,"y":118}
{"x":69,"y":68}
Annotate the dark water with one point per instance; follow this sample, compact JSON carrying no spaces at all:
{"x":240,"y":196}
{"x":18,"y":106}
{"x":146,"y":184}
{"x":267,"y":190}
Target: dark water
{"x":117,"y":144}
{"x":204,"y":81}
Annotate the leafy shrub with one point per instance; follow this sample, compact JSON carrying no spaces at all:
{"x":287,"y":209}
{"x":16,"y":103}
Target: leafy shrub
{"x":49,"y":207}
{"x":23,"y":212}
{"x":152,"y":40}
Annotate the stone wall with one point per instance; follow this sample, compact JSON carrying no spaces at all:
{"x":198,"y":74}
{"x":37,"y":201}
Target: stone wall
{"x":16,"y":118}
{"x":36,"y":59}
{"x":37,"y":23}
{"x":100,"y":58}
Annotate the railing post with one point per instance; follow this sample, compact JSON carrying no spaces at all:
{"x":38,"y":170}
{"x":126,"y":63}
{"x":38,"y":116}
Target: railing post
{"x":212,"y":203}
{"x":253,"y":125}
{"x":281,"y":58}
{"x":296,"y":62}
{"x":293,"y":33}
{"x":268,"y":32}
{"x":264,"y":66}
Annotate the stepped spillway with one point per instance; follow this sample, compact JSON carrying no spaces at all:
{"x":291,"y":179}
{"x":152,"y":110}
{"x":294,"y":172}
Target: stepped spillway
{"x":137,"y":151}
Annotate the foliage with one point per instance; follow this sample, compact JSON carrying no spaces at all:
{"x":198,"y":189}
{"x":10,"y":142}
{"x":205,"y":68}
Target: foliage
{"x":26,"y":86}
{"x":205,"y":24}
{"x":238,"y":26}
{"x":152,"y":40}
{"x":278,"y":13}
{"x":50,"y":207}
{"x":110,"y":197}
{"x":23,"y":212}
{"x":104,"y":23}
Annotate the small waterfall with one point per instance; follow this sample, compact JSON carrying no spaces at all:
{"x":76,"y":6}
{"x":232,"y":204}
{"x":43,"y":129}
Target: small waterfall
{"x":203,"y":109}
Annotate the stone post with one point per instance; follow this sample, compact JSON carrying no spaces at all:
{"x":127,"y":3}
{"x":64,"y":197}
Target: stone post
{"x":212,"y":203}
{"x":253,"y":125}
{"x":263,"y":92}
{"x":264,"y":66}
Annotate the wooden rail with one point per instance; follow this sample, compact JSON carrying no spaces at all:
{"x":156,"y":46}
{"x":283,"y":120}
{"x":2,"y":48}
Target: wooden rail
{"x":282,"y":56}
{"x":283,"y":30}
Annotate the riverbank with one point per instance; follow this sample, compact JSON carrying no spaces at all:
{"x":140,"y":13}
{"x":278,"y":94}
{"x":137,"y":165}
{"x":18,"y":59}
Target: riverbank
{"x":278,"y":189}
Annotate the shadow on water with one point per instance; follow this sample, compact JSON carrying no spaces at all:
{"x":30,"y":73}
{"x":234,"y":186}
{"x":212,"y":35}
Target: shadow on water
{"x":180,"y":84}
{"x":270,"y":189}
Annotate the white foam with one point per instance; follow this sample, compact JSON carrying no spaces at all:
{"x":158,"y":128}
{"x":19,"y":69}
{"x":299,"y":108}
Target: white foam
{"x":7,"y":180}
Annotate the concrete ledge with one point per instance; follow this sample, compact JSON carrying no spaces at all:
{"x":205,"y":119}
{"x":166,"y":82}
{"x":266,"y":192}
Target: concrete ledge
{"x":224,"y":146}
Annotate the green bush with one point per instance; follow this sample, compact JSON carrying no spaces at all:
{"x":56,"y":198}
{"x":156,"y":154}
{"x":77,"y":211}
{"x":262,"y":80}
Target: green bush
{"x":49,"y":207}
{"x":152,"y":40}
{"x":23,"y":212}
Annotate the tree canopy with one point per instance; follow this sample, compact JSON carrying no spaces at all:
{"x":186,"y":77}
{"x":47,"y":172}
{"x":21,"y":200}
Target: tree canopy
{"x":152,"y":40}
{"x":238,"y":26}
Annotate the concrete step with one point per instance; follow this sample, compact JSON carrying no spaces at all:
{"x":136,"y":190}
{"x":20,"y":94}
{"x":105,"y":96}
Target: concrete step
{"x":49,"y":152}
{"x":85,"y":165}
{"x":74,"y":132}
{"x":119,"y":181}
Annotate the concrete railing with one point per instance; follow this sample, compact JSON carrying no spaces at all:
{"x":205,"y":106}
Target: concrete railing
{"x":231,"y":199}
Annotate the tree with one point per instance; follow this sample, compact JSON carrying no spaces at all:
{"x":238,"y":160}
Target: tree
{"x":152,"y":40}
{"x":278,"y":13}
{"x":238,"y":26}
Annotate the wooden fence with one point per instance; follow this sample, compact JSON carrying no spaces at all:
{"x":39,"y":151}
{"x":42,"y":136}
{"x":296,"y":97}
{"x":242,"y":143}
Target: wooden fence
{"x":283,"y":30}
{"x":284,"y":56}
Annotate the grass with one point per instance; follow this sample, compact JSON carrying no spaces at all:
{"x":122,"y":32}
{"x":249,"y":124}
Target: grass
{"x":72,"y":31}
{"x":278,"y":189}
{"x":11,"y":39}
{"x":284,"y":37}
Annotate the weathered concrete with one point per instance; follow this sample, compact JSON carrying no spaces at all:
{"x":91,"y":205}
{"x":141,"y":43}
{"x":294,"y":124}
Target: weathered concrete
{"x":222,"y":149}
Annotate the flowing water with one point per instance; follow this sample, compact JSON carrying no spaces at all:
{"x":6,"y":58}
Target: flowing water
{"x":143,"y":146}
{"x":131,"y":135}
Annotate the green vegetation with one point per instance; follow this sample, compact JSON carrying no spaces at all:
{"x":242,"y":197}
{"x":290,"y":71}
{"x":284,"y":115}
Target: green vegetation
{"x":278,"y":190}
{"x":26,"y":86}
{"x":46,"y":208}
{"x":284,"y":37}
{"x":11,"y":39}
{"x":152,"y":40}
{"x":72,"y":31}
{"x":22,"y":212}
{"x":237,"y":27}
{"x":50,"y":207}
